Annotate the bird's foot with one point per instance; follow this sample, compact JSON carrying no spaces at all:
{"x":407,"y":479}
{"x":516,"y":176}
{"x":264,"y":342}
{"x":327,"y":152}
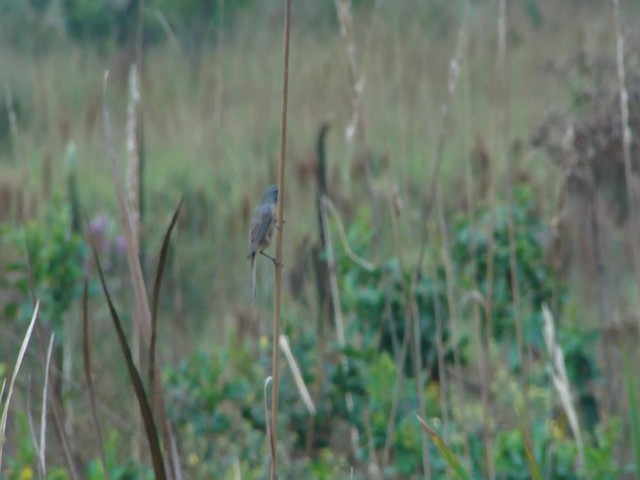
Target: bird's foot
{"x":275,"y":262}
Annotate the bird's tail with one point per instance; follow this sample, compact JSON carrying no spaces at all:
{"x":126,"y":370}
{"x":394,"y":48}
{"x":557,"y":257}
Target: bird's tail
{"x":253,"y":276}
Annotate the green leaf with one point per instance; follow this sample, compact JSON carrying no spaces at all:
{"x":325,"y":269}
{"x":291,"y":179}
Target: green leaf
{"x":447,"y":454}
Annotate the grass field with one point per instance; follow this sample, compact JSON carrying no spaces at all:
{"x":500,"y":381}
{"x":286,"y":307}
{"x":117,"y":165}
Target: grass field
{"x":460,"y":345}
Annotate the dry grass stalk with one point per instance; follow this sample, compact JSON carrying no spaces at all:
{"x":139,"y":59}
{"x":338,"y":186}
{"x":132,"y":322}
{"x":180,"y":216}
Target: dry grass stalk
{"x":43,"y":416}
{"x":268,"y":421}
{"x":447,"y":265}
{"x":280,"y":223}
{"x":355,"y":130}
{"x":21,"y":353}
{"x":13,"y":124}
{"x":413,"y":320}
{"x":297,"y":376}
{"x":513,"y":266}
{"x":86,"y":360}
{"x":137,"y":278}
{"x":39,"y":443}
{"x":626,"y":139}
{"x":337,"y":309}
{"x":132,"y":189}
{"x":132,"y":177}
{"x":561,"y":380}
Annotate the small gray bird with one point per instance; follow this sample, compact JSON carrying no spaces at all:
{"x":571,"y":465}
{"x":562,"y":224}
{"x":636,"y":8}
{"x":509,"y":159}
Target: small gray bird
{"x":262,"y":223}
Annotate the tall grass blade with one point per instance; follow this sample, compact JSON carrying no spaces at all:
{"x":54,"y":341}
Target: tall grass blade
{"x":162,"y":260}
{"x":23,"y":350}
{"x":86,"y":360}
{"x":157,"y":396}
{"x":531,"y":460}
{"x":43,"y":417}
{"x":136,"y":379}
{"x":633,"y":411}
{"x":447,"y":454}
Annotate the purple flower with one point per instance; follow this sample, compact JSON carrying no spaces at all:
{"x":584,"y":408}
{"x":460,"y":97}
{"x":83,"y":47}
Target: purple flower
{"x":121,"y":246}
{"x":98,"y":225}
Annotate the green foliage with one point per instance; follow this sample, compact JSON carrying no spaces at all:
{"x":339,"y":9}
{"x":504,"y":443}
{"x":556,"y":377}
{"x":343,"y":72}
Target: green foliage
{"x":21,"y":461}
{"x":54,"y":268}
{"x":118,"y":469}
{"x":535,"y":280}
{"x":25,"y":25}
{"x":90,"y":21}
{"x":380,"y":302}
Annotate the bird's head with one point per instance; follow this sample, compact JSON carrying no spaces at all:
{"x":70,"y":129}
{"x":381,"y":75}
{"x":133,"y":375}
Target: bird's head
{"x":270,"y":194}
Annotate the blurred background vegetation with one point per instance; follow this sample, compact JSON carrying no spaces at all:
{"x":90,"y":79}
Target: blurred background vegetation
{"x":489,"y":177}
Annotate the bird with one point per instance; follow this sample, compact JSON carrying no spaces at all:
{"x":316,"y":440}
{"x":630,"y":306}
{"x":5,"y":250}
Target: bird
{"x":263,"y":222}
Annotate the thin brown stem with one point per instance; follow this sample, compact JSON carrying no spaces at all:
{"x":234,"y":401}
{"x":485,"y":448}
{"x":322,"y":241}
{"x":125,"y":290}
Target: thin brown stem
{"x":280,"y":220}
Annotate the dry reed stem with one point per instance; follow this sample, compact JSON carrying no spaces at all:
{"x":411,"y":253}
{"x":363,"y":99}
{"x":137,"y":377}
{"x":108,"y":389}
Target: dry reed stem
{"x":40,"y":445}
{"x":132,"y":189}
{"x":132,"y":177}
{"x":280,"y":224}
{"x":561,"y":380}
{"x":32,"y":430}
{"x":337,"y":309}
{"x":13,"y":124}
{"x":355,"y":130}
{"x":513,"y":265}
{"x":86,"y":358}
{"x":297,"y":376}
{"x":16,"y":369}
{"x":135,"y":268}
{"x":268,"y":422}
{"x":417,"y":356}
{"x":43,"y":415}
{"x":447,"y":265}
{"x":413,"y":320}
{"x":445,"y":109}
{"x":626,"y":139}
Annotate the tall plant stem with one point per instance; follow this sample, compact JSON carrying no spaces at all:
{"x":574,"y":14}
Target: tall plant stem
{"x":280,"y":224}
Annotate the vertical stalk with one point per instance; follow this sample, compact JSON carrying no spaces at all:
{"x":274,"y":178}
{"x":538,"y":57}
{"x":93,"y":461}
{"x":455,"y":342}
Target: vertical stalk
{"x":280,"y":225}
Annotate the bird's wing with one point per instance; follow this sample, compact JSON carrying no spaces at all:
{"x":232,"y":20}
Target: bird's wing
{"x":261,"y":223}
